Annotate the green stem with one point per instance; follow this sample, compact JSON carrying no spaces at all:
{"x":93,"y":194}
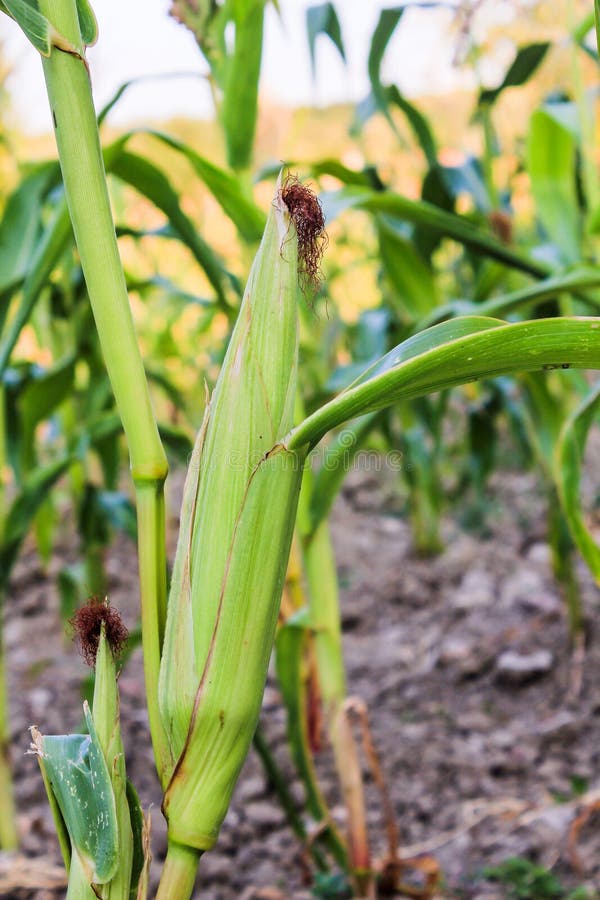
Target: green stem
{"x":179,"y":872}
{"x":69,"y":92}
{"x":488,"y":156}
{"x":79,"y":887}
{"x":321,"y":576}
{"x":280,"y":785}
{"x":153,"y":590}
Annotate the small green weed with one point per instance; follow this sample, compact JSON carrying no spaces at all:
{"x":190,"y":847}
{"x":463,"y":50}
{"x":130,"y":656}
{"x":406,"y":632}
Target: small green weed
{"x":525,"y":880}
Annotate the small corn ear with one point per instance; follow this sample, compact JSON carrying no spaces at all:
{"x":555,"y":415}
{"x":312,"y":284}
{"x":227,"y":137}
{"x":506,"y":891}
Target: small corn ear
{"x":105,"y":712}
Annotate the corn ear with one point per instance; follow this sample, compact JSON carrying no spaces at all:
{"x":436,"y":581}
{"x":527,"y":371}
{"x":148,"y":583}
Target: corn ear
{"x":105,"y":712}
{"x":237,"y":520}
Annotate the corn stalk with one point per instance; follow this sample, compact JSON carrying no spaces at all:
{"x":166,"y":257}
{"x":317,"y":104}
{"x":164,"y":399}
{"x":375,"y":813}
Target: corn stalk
{"x":73,"y":114}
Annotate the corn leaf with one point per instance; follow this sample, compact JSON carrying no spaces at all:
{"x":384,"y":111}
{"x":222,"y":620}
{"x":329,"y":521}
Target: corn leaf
{"x":240,"y":101}
{"x":152,"y":183}
{"x":323,"y":19}
{"x":568,"y":461}
{"x":414,"y":287}
{"x":23,"y":510}
{"x":20,"y":224}
{"x":140,"y":851}
{"x":551,"y":151}
{"x":388,"y":20}
{"x":527,"y":60}
{"x":76,"y":769}
{"x":486,"y":352}
{"x":290,"y":646}
{"x":576,"y":281}
{"x":36,"y":27}
{"x":38,"y":399}
{"x":47,"y":251}
{"x":421,"y":213}
{"x":338,"y":458}
{"x":88,"y":25}
{"x":248,"y":218}
{"x":417,"y":121}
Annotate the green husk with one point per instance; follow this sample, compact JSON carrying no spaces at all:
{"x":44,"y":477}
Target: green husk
{"x":75,"y":767}
{"x":236,"y":527}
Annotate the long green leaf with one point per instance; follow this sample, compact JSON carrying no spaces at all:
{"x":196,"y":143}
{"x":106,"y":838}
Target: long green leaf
{"x":290,"y":646}
{"x":500,"y":349}
{"x":388,"y":20}
{"x":88,"y":25}
{"x":48,"y":250}
{"x":527,"y":60}
{"x":20,"y":224}
{"x":567,"y":471}
{"x":248,"y":218}
{"x":323,"y":19}
{"x":38,"y":399}
{"x":337,"y":461}
{"x":36,"y":27}
{"x":411,"y":278}
{"x":23,"y":511}
{"x":575,"y":282}
{"x":421,"y":213}
{"x":240,"y":101}
{"x":152,"y":183}
{"x":551,"y":151}
{"x":417,"y":121}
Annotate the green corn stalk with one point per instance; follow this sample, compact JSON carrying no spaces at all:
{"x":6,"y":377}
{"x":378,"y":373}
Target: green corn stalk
{"x":236,"y":528}
{"x":60,"y":30}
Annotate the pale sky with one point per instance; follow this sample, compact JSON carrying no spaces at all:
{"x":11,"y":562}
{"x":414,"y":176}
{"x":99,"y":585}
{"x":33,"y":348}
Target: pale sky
{"x":137,"y":37}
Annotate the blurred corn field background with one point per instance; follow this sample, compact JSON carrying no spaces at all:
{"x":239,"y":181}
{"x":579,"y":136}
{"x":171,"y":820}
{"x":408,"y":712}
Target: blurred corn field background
{"x":445,"y":213}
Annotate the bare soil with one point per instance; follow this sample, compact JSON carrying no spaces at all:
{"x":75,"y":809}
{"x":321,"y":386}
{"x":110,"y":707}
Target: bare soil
{"x":464,"y":662}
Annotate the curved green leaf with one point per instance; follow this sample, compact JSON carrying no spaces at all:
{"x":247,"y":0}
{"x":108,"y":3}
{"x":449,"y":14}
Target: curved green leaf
{"x":48,"y":250}
{"x":527,"y":60}
{"x":20,"y":224}
{"x":248,"y":218}
{"x":23,"y":511}
{"x":417,"y":121}
{"x":337,"y":461}
{"x":240,"y":100}
{"x":386,"y":25}
{"x":415,"y":290}
{"x":74,"y":765}
{"x":551,"y":151}
{"x":568,"y":460}
{"x":500,"y":349}
{"x":38,"y":399}
{"x":152,"y":183}
{"x":426,"y":340}
{"x":576,"y":281}
{"x":422,"y":213}
{"x":88,"y":25}
{"x":36,"y":27}
{"x":323,"y":19}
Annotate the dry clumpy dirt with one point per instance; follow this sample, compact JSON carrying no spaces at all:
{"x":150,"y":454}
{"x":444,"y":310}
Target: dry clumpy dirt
{"x":463,"y":661}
